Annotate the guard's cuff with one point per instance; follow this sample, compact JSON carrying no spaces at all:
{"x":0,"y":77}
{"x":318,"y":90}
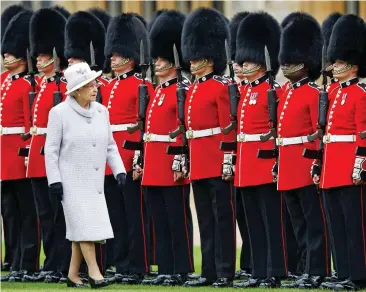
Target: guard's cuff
{"x":136,"y":159}
{"x":179,"y":162}
{"x":359,"y":168}
{"x":228,"y":166}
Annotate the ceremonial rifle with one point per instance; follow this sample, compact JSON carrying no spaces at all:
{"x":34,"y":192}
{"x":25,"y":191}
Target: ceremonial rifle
{"x":234,"y":101}
{"x":32,"y":94}
{"x":143,"y":97}
{"x":322,"y":116}
{"x":272,"y":108}
{"x":181,"y":98}
{"x":94,"y":66}
{"x":57,"y":95}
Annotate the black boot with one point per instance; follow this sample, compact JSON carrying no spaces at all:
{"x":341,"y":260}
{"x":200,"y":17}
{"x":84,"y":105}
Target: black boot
{"x":18,"y":276}
{"x":175,"y":280}
{"x":159,"y":280}
{"x":271,"y":282}
{"x":350,"y":285}
{"x":5,"y":267}
{"x":223,"y":283}
{"x":200,"y":282}
{"x":40,"y":277}
{"x":133,"y":279}
{"x":251,"y":283}
{"x":313,"y":282}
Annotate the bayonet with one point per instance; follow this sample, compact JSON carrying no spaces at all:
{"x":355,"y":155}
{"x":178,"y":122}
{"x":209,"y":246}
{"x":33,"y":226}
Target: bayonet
{"x":30,"y":63}
{"x":324,"y":67}
{"x":177,"y":64}
{"x":55,"y":60}
{"x":229,"y":61}
{"x":92,"y":56}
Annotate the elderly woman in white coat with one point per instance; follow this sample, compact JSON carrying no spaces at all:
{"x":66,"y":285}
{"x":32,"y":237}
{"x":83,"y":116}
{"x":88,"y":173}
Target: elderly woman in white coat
{"x":79,"y":143}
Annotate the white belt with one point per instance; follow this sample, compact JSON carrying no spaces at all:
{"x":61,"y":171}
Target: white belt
{"x":329,"y":138}
{"x":11,"y":130}
{"x":192,"y":134}
{"x":34,"y":131}
{"x":120,"y":127}
{"x":250,"y":137}
{"x":292,"y":141}
{"x":158,"y":138}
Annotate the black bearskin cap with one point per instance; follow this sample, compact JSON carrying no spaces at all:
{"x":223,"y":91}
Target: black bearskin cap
{"x":16,"y":36}
{"x":203,"y":37}
{"x":47,"y":30}
{"x":154,"y":17}
{"x":302,"y":42}
{"x":124,"y":35}
{"x":142,"y":19}
{"x":256,"y":31}
{"x":81,"y":28}
{"x":294,"y":16}
{"x":233,"y":26}
{"x":166,"y":32}
{"x":102,"y":15}
{"x":328,"y":25}
{"x":62,"y":10}
{"x":7,"y":15}
{"x":348,"y":42}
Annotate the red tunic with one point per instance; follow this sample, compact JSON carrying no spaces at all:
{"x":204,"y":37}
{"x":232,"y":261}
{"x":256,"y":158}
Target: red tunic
{"x":207,"y":106}
{"x":14,"y":112}
{"x":161,"y":118}
{"x":120,"y":96}
{"x":253,"y":117}
{"x":42,"y":104}
{"x":4,"y":77}
{"x":297,"y":116}
{"x":104,"y":80}
{"x":346,"y":116}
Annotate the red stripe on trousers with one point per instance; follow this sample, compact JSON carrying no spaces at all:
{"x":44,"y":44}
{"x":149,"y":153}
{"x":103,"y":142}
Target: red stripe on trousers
{"x":143,"y":230}
{"x":325,"y":235}
{"x":283,"y":235}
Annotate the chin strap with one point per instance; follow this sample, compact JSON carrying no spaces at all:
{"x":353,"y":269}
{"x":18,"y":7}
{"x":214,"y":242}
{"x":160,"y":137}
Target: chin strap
{"x":124,"y":61}
{"x":251,"y":70}
{"x":12,"y":61}
{"x":164,"y":68}
{"x":199,"y":66}
{"x":345,"y":68}
{"x":46,"y":64}
{"x":288,"y":71}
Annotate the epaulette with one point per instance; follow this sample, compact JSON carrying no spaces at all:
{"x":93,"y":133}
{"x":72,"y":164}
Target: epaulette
{"x":314,"y":85}
{"x":99,"y":82}
{"x":276,"y":84}
{"x":106,"y":78}
{"x":362,"y":86}
{"x":28,"y":79}
{"x":139,"y":76}
{"x":220,"y":79}
{"x":63,"y":79}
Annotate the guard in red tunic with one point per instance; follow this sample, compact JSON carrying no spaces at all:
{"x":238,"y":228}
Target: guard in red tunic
{"x":46,"y":33}
{"x":17,"y":199}
{"x":167,"y":192}
{"x":10,"y":237}
{"x":300,"y":59}
{"x":262,"y":202}
{"x":343,"y":163}
{"x":207,"y":111}
{"x":245,"y":269}
{"x":127,"y":210}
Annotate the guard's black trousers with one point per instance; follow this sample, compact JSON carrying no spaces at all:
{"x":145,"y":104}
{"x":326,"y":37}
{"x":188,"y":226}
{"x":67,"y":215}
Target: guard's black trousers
{"x":215,"y":205}
{"x":245,"y":256}
{"x":56,"y":247}
{"x":173,"y":242}
{"x":264,"y":212}
{"x":127,"y":212}
{"x":306,"y":209}
{"x":19,"y":212}
{"x":345,"y":208}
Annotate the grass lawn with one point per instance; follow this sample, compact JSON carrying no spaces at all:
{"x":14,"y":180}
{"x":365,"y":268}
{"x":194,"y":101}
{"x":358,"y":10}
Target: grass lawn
{"x":40,"y":287}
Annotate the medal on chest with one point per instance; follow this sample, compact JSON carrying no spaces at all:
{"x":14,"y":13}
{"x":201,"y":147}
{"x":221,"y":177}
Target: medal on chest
{"x":253,"y":98}
{"x":344,"y":96}
{"x":161,"y":99}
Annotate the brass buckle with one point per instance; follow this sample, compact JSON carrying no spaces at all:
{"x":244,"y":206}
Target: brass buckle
{"x":241,"y":137}
{"x":326,"y":139}
{"x":33,"y":131}
{"x":190,"y":134}
{"x":280,"y":141}
{"x":147,"y":137}
{"x":1,"y":130}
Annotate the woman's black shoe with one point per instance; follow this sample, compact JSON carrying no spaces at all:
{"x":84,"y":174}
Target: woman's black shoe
{"x":96,"y":284}
{"x":71,"y":284}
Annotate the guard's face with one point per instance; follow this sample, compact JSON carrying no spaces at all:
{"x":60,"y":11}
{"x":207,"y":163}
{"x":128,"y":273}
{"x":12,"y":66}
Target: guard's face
{"x":119,"y":63}
{"x":250,"y":68}
{"x":343,"y":70}
{"x":163,"y":67}
{"x":201,"y":66}
{"x":73,"y":61}
{"x":11,"y":62}
{"x":238,"y":70}
{"x":294,"y":72}
{"x":45,"y":63}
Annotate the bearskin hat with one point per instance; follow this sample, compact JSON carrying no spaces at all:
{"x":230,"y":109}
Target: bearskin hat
{"x":348,"y":42}
{"x":102,"y":15}
{"x":203,"y":37}
{"x":124,"y":35}
{"x":166,"y":32}
{"x":81,"y":28}
{"x":256,"y":31}
{"x":328,"y":25}
{"x":154,"y":17}
{"x":301,"y":42}
{"x":142,"y":19}
{"x":15,"y":40}
{"x":7,"y":15}
{"x":294,"y":16}
{"x":62,"y":10}
{"x":233,"y":27}
{"x":47,"y":29}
